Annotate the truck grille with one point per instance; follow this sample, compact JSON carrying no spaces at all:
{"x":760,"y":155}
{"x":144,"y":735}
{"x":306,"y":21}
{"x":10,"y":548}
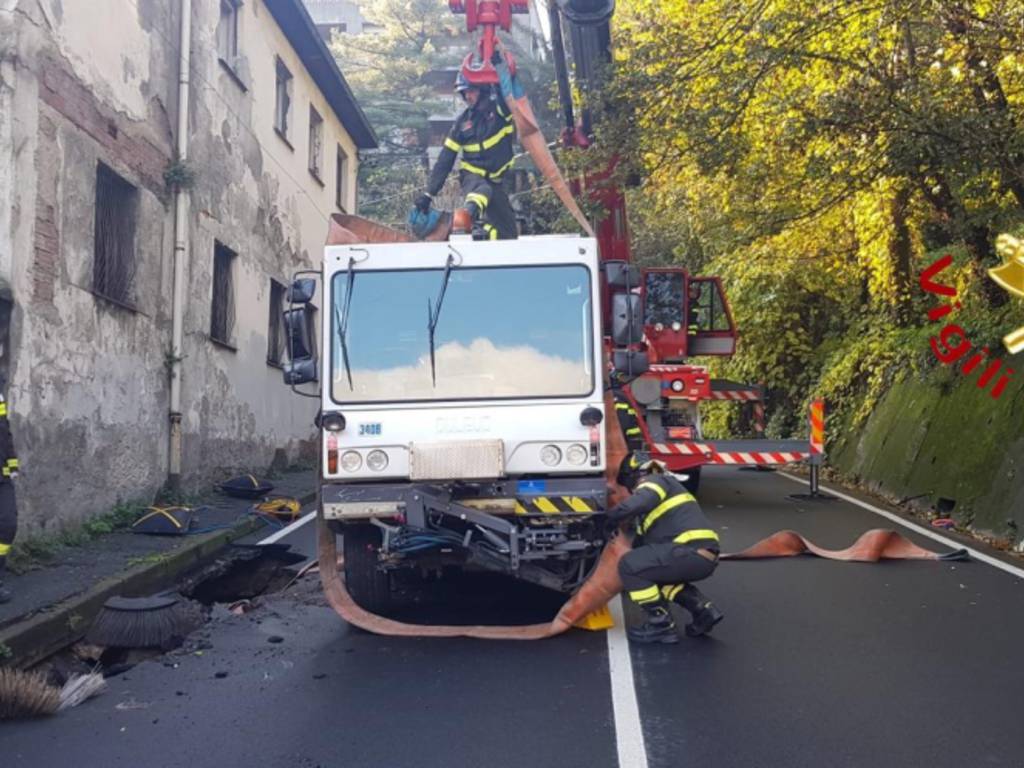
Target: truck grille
{"x":463,"y":460}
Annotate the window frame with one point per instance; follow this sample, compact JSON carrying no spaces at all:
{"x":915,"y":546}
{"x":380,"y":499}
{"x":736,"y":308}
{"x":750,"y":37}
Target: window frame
{"x":341,"y":161}
{"x":123,"y":205}
{"x":283,"y":81}
{"x":276,"y":334}
{"x":316,"y":145}
{"x":221,"y":251}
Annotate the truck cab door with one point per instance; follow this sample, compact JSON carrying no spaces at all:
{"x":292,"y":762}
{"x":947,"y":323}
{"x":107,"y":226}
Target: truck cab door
{"x":710,"y":329}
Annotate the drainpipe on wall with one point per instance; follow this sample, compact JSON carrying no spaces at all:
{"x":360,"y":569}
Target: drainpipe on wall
{"x":180,"y":252}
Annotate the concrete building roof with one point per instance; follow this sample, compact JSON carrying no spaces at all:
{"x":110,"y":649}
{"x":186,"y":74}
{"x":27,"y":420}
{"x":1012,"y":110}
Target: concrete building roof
{"x":294,"y":20}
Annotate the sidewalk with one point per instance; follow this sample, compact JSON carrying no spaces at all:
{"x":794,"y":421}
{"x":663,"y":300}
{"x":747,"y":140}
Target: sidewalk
{"x":54,"y":605}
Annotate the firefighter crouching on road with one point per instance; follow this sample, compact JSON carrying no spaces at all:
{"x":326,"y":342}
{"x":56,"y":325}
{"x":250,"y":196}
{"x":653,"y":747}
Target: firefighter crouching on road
{"x":674,"y":547}
{"x":8,"y":510}
{"x":484,"y":134}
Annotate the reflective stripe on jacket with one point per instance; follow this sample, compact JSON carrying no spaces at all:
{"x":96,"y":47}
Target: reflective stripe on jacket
{"x":665,"y":512}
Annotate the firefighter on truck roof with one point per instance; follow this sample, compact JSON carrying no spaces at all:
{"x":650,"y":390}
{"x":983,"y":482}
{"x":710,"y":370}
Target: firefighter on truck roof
{"x":484,"y":134}
{"x":674,"y":547}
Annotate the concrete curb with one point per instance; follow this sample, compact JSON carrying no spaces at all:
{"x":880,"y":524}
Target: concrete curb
{"x":66,"y":622}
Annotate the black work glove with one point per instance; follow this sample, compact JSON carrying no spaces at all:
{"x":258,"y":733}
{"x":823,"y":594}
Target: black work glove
{"x":423,"y":203}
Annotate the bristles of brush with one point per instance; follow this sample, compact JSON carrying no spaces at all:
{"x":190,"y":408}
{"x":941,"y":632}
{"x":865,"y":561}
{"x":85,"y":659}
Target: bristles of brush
{"x":143,"y":629}
{"x":26,"y":694}
{"x":81,"y":688}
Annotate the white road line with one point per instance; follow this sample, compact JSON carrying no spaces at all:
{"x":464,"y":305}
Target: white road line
{"x":975,"y":554}
{"x":629,"y":736}
{"x":277,"y":535}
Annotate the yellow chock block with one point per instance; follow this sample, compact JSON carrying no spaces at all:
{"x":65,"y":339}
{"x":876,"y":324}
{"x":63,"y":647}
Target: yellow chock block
{"x":596,"y":620}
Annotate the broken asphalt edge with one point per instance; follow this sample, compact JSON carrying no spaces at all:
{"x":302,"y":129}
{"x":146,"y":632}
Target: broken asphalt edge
{"x":44,"y":633}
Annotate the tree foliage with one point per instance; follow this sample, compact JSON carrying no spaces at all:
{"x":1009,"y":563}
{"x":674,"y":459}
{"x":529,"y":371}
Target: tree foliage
{"x":817,"y":154}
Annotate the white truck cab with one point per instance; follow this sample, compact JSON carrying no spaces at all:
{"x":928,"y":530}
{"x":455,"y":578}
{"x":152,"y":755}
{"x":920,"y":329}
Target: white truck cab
{"x":461,"y":407}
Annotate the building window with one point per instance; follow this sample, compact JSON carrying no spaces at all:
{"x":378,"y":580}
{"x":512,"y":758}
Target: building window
{"x":222,"y":308}
{"x":275,"y":329}
{"x":117,"y":201}
{"x":316,"y":140}
{"x":227,"y":31}
{"x":341,"y":180}
{"x":283,"y":100}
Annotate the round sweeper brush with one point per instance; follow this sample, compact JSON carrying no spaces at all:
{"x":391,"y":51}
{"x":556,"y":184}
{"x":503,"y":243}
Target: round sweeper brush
{"x":161,"y":621}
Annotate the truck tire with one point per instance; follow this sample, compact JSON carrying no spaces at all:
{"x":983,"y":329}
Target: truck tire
{"x":693,"y":483}
{"x":368,"y":584}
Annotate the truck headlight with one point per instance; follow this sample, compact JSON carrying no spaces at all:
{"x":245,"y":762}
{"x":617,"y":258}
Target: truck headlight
{"x":351,"y":461}
{"x":550,"y":455}
{"x":576,"y":454}
{"x":377,"y":461}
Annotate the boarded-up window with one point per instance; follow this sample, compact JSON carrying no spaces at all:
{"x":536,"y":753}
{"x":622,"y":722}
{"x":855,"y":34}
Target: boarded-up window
{"x":316,"y":141}
{"x":222,"y":308}
{"x":341,"y":180}
{"x":282,"y":99}
{"x":275,"y":329}
{"x":117,"y":202}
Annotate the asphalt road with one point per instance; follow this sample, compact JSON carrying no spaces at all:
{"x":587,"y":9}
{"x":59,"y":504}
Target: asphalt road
{"x":818,"y":663}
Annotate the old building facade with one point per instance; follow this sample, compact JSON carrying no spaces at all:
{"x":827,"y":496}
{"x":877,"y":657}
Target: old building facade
{"x":89,"y":174}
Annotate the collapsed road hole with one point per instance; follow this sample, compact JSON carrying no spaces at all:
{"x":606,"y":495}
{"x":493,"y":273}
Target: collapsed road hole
{"x":944,"y":506}
{"x":244,"y":572}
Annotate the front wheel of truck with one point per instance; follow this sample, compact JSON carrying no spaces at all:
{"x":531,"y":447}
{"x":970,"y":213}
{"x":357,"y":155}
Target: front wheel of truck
{"x":367,"y":583}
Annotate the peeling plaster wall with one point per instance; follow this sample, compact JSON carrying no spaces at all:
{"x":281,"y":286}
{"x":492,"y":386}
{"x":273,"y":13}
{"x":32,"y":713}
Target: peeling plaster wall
{"x":93,"y":82}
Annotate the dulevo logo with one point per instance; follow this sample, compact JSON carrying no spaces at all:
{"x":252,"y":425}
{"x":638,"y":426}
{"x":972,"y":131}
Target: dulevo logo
{"x":1010,"y":277}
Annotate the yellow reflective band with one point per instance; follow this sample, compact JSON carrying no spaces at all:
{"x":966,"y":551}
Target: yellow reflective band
{"x":576,"y":504}
{"x":471,"y":148}
{"x":633,"y":431}
{"x":4,"y":549}
{"x":492,"y":233}
{"x":7,"y":471}
{"x":669,"y":591}
{"x":453,"y":145}
{"x":483,"y":172}
{"x":3,"y":409}
{"x":649,"y":595}
{"x":12,"y":463}
{"x":476,"y":197}
{"x":472,"y":168}
{"x":662,"y":493}
{"x":496,"y":138}
{"x":698,"y":533}
{"x":676,"y":501}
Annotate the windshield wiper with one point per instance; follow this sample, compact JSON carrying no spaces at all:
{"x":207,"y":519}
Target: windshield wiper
{"x":434,"y":312}
{"x":341,"y":317}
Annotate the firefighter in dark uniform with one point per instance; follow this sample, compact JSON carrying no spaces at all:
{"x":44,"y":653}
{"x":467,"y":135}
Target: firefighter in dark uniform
{"x":674,"y":547}
{"x":628,"y":420}
{"x":8,"y":510}
{"x":484,"y":134}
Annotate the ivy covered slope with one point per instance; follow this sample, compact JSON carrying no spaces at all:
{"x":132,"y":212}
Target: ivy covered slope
{"x":819,"y":157}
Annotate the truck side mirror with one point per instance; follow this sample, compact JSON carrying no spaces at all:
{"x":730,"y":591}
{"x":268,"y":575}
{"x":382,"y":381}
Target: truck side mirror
{"x":301,"y":367}
{"x":627,"y":364}
{"x":627,"y":319}
{"x":301,"y":291}
{"x":621,"y":275}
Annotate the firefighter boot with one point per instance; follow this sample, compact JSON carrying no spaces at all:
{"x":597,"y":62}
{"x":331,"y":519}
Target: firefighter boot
{"x":658,"y":626}
{"x":478,"y":232}
{"x":705,"y":614}
{"x":5,"y":594}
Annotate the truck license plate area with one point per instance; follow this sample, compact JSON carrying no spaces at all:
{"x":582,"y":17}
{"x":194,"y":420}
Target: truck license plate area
{"x":461,"y":460}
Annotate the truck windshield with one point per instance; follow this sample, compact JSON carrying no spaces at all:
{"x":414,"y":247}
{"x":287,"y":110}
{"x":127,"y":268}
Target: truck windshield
{"x":503,"y":332}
